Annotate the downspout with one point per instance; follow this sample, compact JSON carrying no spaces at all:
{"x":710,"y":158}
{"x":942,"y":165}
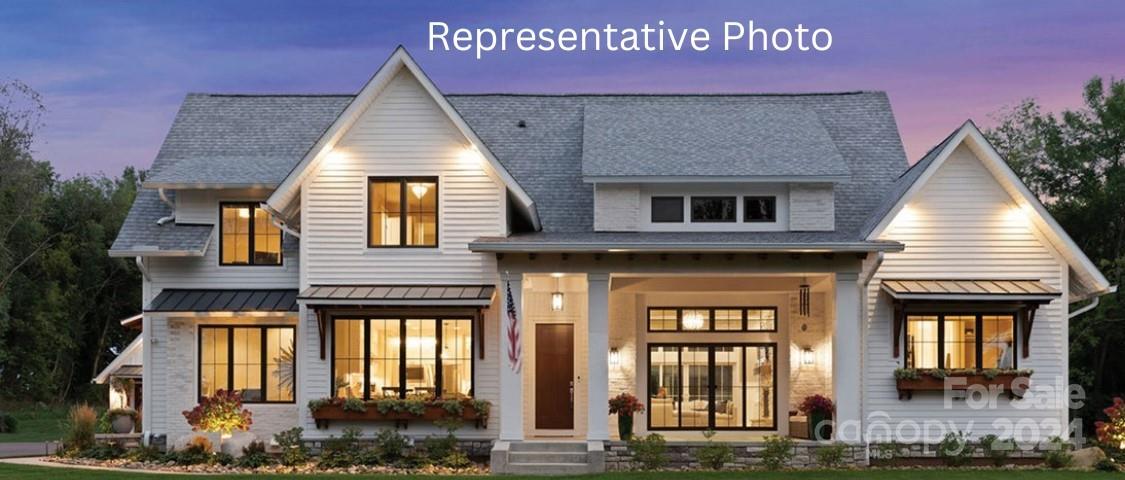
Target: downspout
{"x":164,"y":198}
{"x":865,"y":280}
{"x":275,"y":218}
{"x":1094,"y":304}
{"x":144,"y":270}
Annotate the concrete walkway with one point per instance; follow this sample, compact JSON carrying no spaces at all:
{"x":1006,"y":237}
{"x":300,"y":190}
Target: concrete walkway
{"x":27,"y":449}
{"x":39,"y":462}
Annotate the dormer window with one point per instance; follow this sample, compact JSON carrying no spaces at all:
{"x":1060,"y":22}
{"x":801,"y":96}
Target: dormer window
{"x":713,"y":209}
{"x":759,"y":209}
{"x":667,"y":209}
{"x":248,"y":237}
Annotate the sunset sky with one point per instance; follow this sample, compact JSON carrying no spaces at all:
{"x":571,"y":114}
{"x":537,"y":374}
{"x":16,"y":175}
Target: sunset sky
{"x":112,"y":74}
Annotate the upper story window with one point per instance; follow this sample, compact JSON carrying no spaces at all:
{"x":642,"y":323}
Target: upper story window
{"x":667,"y":209}
{"x":759,"y":209}
{"x":969,"y":341}
{"x":713,"y":209}
{"x":248,"y":236}
{"x":402,"y":212}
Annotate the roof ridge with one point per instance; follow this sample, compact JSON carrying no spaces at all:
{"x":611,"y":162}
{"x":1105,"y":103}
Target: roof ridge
{"x":253,"y":95}
{"x":675,"y":94}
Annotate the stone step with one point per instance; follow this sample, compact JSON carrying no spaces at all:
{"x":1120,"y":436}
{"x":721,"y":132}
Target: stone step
{"x":547,"y":457}
{"x":548,"y":447}
{"x":547,"y":468}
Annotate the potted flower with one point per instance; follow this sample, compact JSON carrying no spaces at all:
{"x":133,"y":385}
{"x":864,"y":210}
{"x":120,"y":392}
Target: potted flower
{"x":122,"y":419}
{"x":625,"y":405}
{"x":818,"y":409}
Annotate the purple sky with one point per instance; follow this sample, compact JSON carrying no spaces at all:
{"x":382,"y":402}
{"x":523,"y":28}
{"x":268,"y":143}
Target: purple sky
{"x":113,"y":73}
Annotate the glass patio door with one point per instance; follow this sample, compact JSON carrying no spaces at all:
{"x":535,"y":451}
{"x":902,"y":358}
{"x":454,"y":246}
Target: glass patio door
{"x":718,"y":386}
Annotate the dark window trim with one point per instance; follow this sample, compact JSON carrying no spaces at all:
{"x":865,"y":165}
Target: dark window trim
{"x":711,"y":323}
{"x":402,"y":318}
{"x":979,"y":341}
{"x":691,"y":210}
{"x":250,"y":255}
{"x":230,"y":360}
{"x":405,"y":210}
{"x":710,"y":388}
{"x":652,"y":208}
{"x":746,"y":198}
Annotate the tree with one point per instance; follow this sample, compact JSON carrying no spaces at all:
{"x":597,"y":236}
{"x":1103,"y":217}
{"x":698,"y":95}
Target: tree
{"x":1075,"y":163}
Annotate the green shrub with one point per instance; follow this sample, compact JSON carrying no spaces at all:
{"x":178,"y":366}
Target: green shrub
{"x":253,"y":456}
{"x":221,"y":458}
{"x":955,"y":449}
{"x":78,"y":432}
{"x":455,"y":459}
{"x":1106,"y":465}
{"x":391,"y":444}
{"x":831,"y":456}
{"x":293,"y":449}
{"x":437,"y":448}
{"x":198,"y":452}
{"x":341,"y":452}
{"x":1059,"y":456}
{"x":649,"y":451}
{"x":714,"y":454}
{"x":777,"y":452}
{"x":8,"y":423}
{"x":145,"y":454}
{"x":103,"y":451}
{"x":996,"y":449}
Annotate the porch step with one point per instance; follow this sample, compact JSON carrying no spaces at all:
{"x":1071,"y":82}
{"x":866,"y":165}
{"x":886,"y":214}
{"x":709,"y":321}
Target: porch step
{"x":555,"y":447}
{"x":547,"y":468}
{"x":517,"y":457}
{"x":548,"y":458}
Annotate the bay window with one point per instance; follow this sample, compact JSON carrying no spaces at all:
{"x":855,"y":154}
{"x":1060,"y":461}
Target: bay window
{"x":960,"y":341}
{"x":247,"y":236}
{"x":397,"y":357}
{"x":259,"y":361}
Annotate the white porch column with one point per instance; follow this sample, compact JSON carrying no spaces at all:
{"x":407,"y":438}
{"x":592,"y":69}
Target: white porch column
{"x":597,"y":372}
{"x":511,"y":382}
{"x":847,"y":362}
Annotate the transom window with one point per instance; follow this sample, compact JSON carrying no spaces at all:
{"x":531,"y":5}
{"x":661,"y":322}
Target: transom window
{"x":717,"y":319}
{"x":717,"y":386}
{"x":259,"y":361}
{"x":396,"y":357}
{"x":968,"y":341}
{"x":713,"y":209}
{"x":248,"y":237}
{"x":402,"y":212}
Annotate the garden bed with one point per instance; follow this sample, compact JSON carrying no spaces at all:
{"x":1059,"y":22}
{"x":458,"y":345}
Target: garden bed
{"x":308,"y":468}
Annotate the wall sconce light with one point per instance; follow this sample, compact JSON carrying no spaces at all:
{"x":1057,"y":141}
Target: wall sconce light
{"x":614,"y":357}
{"x":557,"y":301}
{"x":807,"y":357}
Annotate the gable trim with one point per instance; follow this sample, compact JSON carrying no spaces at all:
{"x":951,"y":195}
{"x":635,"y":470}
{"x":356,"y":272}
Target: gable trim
{"x":1026,"y":200}
{"x":289,"y":188}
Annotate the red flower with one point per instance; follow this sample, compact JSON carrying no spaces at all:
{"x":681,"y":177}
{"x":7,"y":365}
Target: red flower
{"x":817,"y":404}
{"x":626,"y":405}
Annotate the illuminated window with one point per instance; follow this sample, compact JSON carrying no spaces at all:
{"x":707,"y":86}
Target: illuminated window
{"x":257,"y":361}
{"x":721,"y":319}
{"x":402,"y":212}
{"x":717,"y":386}
{"x":403,"y":357}
{"x":248,"y":237}
{"x":960,"y":341}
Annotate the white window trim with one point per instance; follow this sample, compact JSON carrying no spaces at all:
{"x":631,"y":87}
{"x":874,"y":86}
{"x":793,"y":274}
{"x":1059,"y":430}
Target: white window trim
{"x":779,"y":191}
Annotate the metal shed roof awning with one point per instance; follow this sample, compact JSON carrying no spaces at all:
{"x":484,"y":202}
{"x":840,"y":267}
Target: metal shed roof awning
{"x":224,"y":300}
{"x":970,"y":290}
{"x":399,"y":295}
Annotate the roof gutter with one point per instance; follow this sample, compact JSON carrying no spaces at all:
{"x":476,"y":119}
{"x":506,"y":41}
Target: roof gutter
{"x":1093,"y":304}
{"x":276,"y":219}
{"x":537,"y":247}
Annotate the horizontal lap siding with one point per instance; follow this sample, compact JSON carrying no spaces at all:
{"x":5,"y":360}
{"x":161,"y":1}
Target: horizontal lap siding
{"x":403,"y":133}
{"x":962,"y":225}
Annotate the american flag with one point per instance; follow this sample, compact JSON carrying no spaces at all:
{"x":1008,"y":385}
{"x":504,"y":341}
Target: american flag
{"x":514,"y":350}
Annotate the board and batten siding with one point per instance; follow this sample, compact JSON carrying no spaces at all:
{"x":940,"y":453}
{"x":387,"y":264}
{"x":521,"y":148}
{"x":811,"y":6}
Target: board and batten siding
{"x":403,"y":133}
{"x":963,"y":224}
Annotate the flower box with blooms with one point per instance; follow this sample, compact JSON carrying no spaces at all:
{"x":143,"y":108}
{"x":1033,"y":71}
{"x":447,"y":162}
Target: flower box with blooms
{"x":1111,"y":432}
{"x":221,"y":413}
{"x":818,"y":409}
{"x":399,"y":410}
{"x":624,"y":406}
{"x":1011,"y":381}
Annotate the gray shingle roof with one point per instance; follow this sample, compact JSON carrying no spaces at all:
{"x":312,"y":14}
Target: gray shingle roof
{"x":679,"y":241}
{"x":257,"y":140}
{"x":141,"y":235}
{"x":241,"y":139}
{"x":657,"y":138}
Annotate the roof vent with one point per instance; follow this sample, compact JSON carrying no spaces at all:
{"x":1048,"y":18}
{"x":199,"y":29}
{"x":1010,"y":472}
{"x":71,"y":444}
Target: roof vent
{"x":521,"y":124}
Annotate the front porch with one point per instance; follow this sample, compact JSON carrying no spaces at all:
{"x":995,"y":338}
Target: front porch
{"x":703,"y":350}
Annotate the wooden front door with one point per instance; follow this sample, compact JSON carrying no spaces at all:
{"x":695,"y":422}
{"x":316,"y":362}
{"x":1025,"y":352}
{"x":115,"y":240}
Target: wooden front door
{"x":554,"y":376}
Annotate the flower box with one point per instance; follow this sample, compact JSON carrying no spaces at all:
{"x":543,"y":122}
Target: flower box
{"x":1012,"y":382}
{"x":334,"y":410}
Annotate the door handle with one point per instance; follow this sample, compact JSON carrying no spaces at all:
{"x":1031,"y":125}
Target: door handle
{"x":572,"y":393}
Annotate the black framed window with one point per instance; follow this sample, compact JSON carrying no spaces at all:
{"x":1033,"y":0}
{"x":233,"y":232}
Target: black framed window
{"x":259,"y":361}
{"x":759,"y":209}
{"x":402,"y":212}
{"x":713,"y":209}
{"x":960,"y":341}
{"x":247,"y":236}
{"x":667,"y":209}
{"x":712,"y":386}
{"x":377,"y":357}
{"x":712,"y":319}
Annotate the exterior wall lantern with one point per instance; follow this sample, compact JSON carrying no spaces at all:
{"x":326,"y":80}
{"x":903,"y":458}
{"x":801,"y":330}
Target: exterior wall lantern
{"x":557,"y":295}
{"x":614,"y":357}
{"x":807,"y":357}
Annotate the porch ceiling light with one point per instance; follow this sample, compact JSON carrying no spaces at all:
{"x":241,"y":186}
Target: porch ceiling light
{"x":693,"y":321}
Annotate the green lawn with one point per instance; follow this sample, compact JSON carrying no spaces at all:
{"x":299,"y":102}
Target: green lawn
{"x":36,"y":423}
{"x":52,"y":473}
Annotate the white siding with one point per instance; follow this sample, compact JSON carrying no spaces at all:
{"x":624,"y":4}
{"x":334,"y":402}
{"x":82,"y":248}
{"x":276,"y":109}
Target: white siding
{"x":403,"y":133}
{"x":616,"y":207}
{"x":962,"y":224}
{"x":812,"y":207}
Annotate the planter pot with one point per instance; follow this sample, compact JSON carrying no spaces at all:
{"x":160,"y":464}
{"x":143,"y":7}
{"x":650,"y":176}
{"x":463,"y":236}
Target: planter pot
{"x":433,"y":412}
{"x":1004,"y":383}
{"x":122,"y":424}
{"x":625,"y":427}
{"x":824,"y":432}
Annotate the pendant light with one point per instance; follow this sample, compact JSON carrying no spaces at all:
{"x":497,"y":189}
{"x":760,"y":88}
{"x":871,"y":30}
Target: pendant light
{"x":803,"y":297}
{"x":557,"y":296}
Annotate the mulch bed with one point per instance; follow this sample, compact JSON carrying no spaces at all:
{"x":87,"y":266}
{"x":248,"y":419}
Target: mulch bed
{"x":310,"y":467}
